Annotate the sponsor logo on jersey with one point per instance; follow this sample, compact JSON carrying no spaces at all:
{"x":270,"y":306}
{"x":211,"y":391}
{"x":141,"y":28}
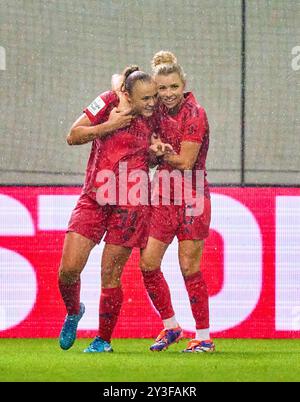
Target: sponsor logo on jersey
{"x":97,"y":105}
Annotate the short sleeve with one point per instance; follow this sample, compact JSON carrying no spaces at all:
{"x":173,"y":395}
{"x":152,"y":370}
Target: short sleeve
{"x":97,"y":110}
{"x":196,"y":126}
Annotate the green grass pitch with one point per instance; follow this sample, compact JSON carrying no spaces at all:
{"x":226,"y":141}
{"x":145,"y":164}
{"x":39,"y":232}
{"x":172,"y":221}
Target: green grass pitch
{"x":235,"y":360}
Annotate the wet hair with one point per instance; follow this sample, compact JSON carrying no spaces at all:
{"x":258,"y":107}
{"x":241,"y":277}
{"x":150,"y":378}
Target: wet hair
{"x":132,"y":74}
{"x":164,"y":62}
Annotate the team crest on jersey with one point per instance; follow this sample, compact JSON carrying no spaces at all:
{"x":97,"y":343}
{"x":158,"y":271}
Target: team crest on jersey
{"x":97,"y":105}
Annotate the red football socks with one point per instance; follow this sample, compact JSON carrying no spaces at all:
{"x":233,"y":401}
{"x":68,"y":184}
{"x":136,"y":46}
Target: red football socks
{"x":110,"y":305}
{"x":71,"y":296}
{"x":198,"y":295}
{"x":159,"y":292}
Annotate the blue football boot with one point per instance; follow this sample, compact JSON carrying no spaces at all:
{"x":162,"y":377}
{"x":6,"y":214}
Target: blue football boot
{"x":68,"y":333}
{"x":98,"y":345}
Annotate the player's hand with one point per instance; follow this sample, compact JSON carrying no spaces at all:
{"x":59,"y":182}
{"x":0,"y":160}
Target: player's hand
{"x":119,"y":119}
{"x":123,"y":102}
{"x":161,"y":149}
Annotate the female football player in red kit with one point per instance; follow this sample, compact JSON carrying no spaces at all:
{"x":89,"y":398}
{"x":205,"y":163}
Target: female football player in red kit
{"x":116,"y":137}
{"x":182,"y":123}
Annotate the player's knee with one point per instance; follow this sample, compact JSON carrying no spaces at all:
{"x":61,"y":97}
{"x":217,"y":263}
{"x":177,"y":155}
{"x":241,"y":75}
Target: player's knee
{"x":68,"y":276}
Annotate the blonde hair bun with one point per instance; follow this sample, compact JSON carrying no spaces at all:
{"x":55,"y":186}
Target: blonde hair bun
{"x":163,"y":57}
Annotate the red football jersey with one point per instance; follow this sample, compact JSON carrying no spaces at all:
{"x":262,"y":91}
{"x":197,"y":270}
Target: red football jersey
{"x":129,"y":145}
{"x":189,"y":124}
{"x":97,"y":112}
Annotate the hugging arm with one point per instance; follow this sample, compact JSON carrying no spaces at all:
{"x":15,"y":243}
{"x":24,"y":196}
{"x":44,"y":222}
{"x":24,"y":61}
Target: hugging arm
{"x":82,"y":130}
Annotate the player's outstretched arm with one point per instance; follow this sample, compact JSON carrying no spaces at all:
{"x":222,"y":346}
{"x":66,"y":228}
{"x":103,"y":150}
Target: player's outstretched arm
{"x":83,"y":132}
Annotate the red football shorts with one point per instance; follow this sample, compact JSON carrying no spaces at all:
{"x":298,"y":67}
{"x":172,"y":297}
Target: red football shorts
{"x":129,"y":226}
{"x":124,"y":226}
{"x":168,"y":221}
{"x":89,"y":219}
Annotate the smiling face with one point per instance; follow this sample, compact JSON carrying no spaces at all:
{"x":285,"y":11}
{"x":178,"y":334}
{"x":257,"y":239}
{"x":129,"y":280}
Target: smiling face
{"x":170,"y":89}
{"x":143,"y":98}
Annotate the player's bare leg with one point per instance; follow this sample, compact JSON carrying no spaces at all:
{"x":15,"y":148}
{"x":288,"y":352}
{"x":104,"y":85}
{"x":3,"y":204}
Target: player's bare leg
{"x":190,"y":254}
{"x":76,"y":251}
{"x":114,"y":259}
{"x":158,"y":290}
